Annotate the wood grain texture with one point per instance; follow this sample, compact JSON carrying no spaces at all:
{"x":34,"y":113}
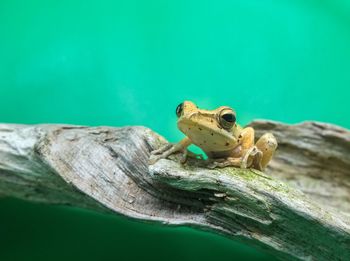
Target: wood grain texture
{"x":299,"y":209}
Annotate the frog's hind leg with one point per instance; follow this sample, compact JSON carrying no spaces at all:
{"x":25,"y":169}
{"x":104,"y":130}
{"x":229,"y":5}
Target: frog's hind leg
{"x":246,"y":138}
{"x":248,"y":150}
{"x":267,"y":144}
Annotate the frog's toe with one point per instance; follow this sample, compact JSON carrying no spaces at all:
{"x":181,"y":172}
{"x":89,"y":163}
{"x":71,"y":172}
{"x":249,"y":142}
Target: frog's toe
{"x":243,"y":164}
{"x":212,"y":165}
{"x":184,"y":157}
{"x":217,"y":163}
{"x":153,"y":160}
{"x":257,"y":160}
{"x":162,"y":149}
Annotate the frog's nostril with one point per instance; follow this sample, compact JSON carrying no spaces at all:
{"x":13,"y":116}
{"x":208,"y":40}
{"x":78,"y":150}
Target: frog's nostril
{"x":189,"y":116}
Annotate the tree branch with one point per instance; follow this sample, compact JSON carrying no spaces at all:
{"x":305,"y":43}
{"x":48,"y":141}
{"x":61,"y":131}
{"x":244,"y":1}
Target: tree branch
{"x":299,"y":209}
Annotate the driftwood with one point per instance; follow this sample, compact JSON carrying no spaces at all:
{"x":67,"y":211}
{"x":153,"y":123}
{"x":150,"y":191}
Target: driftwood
{"x":298,"y":209}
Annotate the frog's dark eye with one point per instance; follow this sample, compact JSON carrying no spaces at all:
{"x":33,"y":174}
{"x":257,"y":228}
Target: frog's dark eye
{"x":227,"y":118}
{"x":179,"y":109}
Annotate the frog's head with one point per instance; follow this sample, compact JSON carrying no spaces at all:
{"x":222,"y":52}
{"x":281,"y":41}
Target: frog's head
{"x":211,"y":130}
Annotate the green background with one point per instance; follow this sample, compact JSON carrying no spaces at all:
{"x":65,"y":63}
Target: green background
{"x":130,"y":63}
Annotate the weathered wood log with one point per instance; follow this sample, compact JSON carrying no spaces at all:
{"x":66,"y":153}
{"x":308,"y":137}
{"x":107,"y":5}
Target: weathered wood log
{"x":298,"y":209}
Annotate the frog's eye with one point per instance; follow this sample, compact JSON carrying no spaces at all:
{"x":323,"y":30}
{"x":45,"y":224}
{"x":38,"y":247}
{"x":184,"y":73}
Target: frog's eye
{"x":227,"y":118}
{"x":179,"y":109}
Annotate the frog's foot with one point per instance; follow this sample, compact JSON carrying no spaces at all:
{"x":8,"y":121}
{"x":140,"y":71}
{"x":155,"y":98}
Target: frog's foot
{"x":251,"y":157}
{"x":267,"y":144}
{"x":169,"y":149}
{"x":221,"y":163}
{"x":164,"y":152}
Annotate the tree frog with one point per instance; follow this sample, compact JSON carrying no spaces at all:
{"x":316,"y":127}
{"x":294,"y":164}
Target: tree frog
{"x":224,"y":141}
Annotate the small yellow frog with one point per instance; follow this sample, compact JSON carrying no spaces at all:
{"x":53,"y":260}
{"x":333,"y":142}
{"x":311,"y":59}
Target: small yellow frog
{"x":220,"y":137}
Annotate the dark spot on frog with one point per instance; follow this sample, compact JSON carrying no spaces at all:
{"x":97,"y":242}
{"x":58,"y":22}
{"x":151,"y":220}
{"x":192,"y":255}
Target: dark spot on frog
{"x":226,"y":144}
{"x":200,"y":129}
{"x":212,"y":134}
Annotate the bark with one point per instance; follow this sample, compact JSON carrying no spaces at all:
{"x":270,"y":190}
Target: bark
{"x":298,"y":209}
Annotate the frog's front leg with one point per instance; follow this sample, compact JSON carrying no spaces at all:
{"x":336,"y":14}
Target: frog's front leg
{"x":168,"y":149}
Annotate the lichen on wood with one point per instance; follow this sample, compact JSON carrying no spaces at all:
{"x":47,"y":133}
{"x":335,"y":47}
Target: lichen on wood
{"x":299,"y":209}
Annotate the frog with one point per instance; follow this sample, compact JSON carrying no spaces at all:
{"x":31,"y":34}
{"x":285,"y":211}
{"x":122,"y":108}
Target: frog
{"x":220,"y":137}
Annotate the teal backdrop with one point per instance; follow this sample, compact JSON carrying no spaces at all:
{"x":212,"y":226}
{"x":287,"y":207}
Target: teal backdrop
{"x":132,"y":62}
